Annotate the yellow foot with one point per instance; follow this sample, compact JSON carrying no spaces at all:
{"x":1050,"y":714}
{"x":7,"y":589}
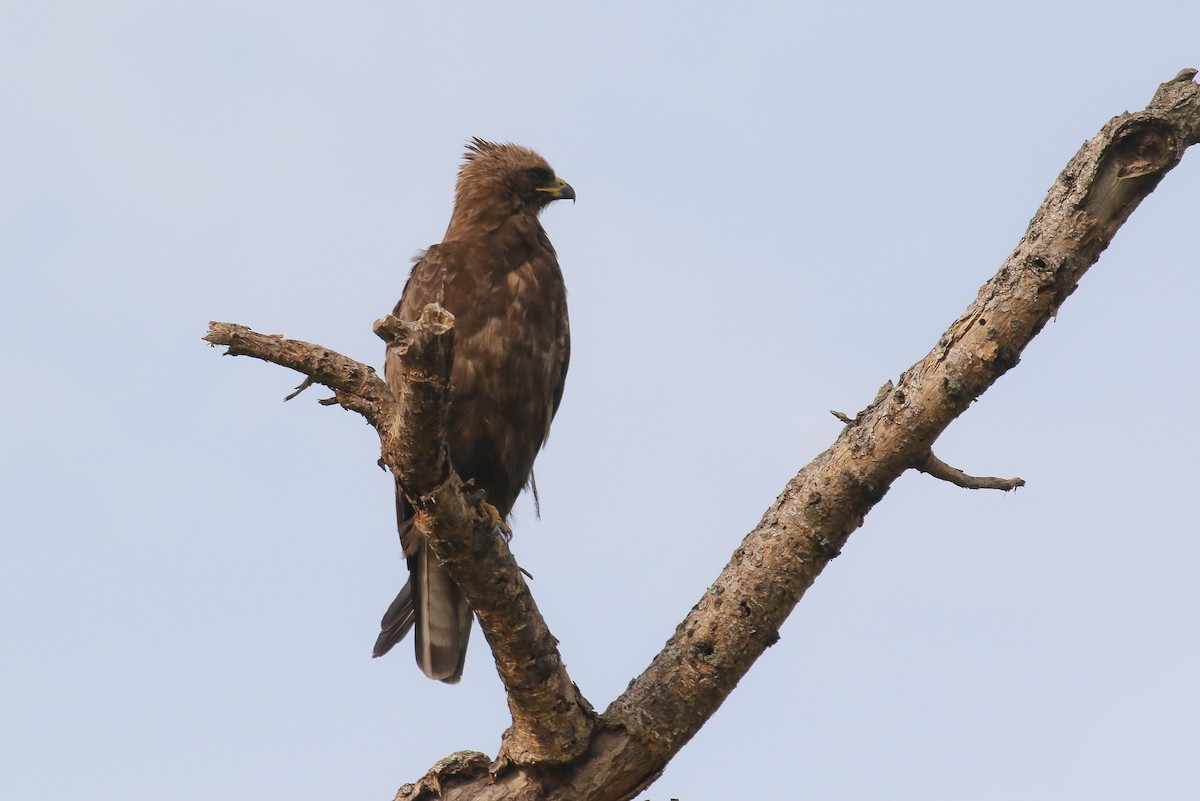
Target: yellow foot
{"x":494,"y":515}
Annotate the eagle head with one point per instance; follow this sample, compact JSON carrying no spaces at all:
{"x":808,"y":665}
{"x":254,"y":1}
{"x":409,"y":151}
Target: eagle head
{"x":505,"y":179}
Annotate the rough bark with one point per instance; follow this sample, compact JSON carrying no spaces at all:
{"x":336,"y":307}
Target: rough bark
{"x":740,"y":614}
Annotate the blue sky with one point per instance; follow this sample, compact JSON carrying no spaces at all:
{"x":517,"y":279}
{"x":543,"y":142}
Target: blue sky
{"x":780,"y":208}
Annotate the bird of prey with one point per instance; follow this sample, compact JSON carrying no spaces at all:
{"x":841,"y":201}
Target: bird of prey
{"x":497,"y":273}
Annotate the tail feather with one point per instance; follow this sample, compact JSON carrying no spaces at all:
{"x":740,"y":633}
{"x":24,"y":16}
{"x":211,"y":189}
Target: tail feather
{"x":433,"y":605}
{"x":397,"y":620}
{"x":443,"y":618}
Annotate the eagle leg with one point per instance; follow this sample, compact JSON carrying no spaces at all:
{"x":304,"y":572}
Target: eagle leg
{"x":497,"y":520}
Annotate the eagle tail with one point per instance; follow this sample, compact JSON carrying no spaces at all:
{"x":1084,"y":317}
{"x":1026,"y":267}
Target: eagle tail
{"x":442,"y":618}
{"x":434,"y":605}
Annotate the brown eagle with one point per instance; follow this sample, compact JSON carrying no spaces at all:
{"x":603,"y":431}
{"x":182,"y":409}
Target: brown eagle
{"x":497,"y":273}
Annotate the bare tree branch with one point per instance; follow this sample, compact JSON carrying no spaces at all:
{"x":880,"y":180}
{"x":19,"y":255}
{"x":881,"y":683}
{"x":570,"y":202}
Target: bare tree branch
{"x":933,"y":466}
{"x":355,"y":385}
{"x":740,"y":614}
{"x":809,"y":523}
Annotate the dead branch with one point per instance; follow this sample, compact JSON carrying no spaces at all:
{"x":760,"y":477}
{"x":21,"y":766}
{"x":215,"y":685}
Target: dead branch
{"x":933,"y":466}
{"x":355,"y":385}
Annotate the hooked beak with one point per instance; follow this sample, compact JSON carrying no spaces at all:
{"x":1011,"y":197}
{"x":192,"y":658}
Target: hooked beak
{"x":561,"y":190}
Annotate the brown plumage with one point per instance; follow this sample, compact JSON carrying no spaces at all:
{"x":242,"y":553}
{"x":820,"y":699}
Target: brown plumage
{"x":497,"y":273}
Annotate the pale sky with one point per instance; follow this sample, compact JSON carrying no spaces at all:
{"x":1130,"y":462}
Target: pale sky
{"x":780,"y":208}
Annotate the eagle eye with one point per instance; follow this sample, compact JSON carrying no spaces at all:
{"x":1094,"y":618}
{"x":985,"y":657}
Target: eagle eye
{"x":541,"y":176}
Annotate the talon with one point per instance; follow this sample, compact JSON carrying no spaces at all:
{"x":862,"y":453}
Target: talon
{"x":494,"y":515}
